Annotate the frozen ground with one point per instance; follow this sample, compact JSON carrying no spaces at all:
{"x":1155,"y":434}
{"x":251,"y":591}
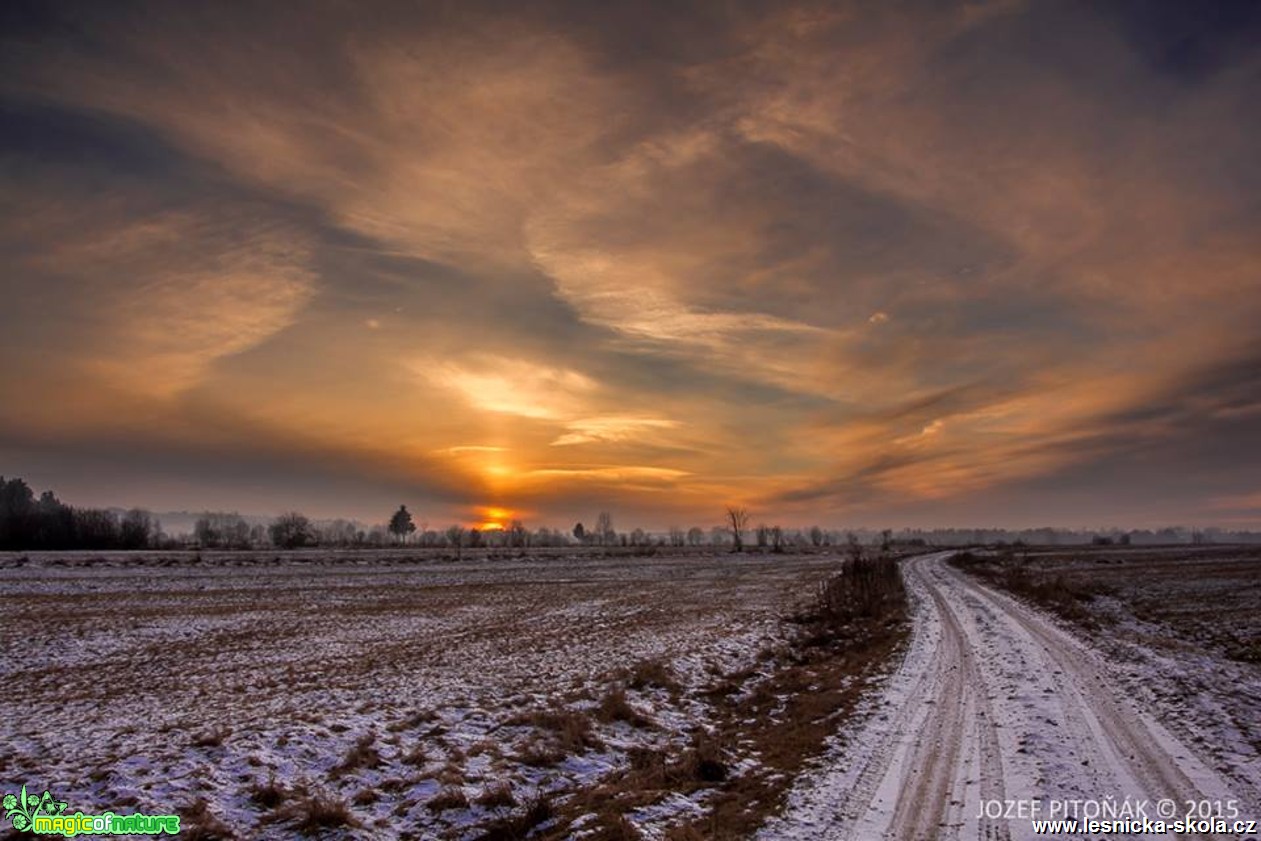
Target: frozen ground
{"x":400,"y":686}
{"x":995,"y":701}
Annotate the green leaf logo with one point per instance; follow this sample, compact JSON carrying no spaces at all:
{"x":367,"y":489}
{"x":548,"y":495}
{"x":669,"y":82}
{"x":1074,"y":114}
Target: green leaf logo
{"x":21,"y":808}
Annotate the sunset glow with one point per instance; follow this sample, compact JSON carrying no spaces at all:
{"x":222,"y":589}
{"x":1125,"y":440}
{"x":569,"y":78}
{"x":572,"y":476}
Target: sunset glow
{"x":990,"y":263}
{"x":493,"y":519}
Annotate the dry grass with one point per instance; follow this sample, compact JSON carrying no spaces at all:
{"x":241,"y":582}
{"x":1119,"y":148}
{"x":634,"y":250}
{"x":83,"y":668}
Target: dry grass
{"x":614,"y":828}
{"x":268,"y":795}
{"x":211,"y":738}
{"x":448,"y":797}
{"x":497,"y":796}
{"x":416,"y":756}
{"x":413,"y":721}
{"x":614,"y":707}
{"x":650,"y":673}
{"x":536,"y":811}
{"x":854,"y":624}
{"x":867,"y":588}
{"x":312,"y":814}
{"x":539,"y":752}
{"x":197,"y":822}
{"x":362,"y":754}
{"x":1068,"y":598}
{"x":568,"y":732}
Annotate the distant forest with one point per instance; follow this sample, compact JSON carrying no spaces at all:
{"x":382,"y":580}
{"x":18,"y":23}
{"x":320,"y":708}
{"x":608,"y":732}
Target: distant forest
{"x":45,"y":523}
{"x":48,"y":523}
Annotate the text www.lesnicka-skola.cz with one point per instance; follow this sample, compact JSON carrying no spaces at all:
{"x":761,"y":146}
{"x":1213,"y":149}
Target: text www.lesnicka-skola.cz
{"x":1145,"y":826}
{"x":1107,"y":816}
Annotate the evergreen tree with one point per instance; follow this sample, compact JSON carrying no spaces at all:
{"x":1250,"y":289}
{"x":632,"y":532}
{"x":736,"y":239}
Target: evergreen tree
{"x":401,"y":524}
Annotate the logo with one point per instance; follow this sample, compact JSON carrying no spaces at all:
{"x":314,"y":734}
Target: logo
{"x":46,"y":815}
{"x":22,"y":809}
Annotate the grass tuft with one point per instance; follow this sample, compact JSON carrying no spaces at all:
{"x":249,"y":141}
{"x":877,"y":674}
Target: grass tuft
{"x":448,"y":797}
{"x":614,"y":707}
{"x":362,"y":754}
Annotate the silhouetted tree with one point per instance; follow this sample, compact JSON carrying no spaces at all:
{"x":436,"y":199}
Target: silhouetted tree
{"x":518,"y":537}
{"x":580,"y":533}
{"x":290,"y":530}
{"x":217,"y":529}
{"x":455,"y":537}
{"x":137,"y":529}
{"x":97,"y":528}
{"x":604,"y":529}
{"x":737,"y":522}
{"x":695,"y":536}
{"x":401,"y":524}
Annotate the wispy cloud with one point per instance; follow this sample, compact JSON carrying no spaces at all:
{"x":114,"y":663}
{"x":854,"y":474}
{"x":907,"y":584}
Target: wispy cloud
{"x":818,"y":259}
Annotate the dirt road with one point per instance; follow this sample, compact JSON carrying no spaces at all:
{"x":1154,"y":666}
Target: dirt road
{"x":996,"y":706}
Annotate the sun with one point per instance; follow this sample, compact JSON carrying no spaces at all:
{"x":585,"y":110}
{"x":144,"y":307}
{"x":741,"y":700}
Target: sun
{"x":494,"y":519}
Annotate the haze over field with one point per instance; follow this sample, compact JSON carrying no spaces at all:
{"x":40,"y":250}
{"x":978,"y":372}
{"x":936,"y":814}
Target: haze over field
{"x":987,"y":263}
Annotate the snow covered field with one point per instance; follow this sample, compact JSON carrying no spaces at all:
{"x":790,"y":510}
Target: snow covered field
{"x":386,"y":696}
{"x":419,"y":693}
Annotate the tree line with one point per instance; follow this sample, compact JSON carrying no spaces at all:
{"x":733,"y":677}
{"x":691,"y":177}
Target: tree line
{"x":28,"y":522}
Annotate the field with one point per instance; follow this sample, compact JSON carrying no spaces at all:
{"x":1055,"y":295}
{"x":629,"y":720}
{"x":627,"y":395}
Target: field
{"x":378,"y":695}
{"x":672,"y":696}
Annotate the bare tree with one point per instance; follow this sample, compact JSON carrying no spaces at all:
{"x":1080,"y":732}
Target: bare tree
{"x":677,"y":536}
{"x":695,"y":536}
{"x":816,"y":536}
{"x":737,"y":522}
{"x":604,"y":529}
{"x":137,"y":529}
{"x":518,"y":537}
{"x":455,"y":537}
{"x":215,"y":529}
{"x":290,"y":530}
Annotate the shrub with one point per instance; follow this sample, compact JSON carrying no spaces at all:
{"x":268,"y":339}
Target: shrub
{"x":866,"y":588}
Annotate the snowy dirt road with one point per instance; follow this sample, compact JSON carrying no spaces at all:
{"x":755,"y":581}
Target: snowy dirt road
{"x":994,"y":704}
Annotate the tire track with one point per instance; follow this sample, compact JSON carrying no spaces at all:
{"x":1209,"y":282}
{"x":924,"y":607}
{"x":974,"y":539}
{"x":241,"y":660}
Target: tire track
{"x":1143,"y":755}
{"x":992,"y":701}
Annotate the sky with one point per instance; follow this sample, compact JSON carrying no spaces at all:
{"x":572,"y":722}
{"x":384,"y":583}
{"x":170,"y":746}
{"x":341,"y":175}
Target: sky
{"x":992,"y":263}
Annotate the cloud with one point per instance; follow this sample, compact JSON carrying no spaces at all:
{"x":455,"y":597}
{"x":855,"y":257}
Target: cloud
{"x":837,"y":257}
{"x":144,"y":301}
{"x":510,"y":386}
{"x":612,"y":430}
